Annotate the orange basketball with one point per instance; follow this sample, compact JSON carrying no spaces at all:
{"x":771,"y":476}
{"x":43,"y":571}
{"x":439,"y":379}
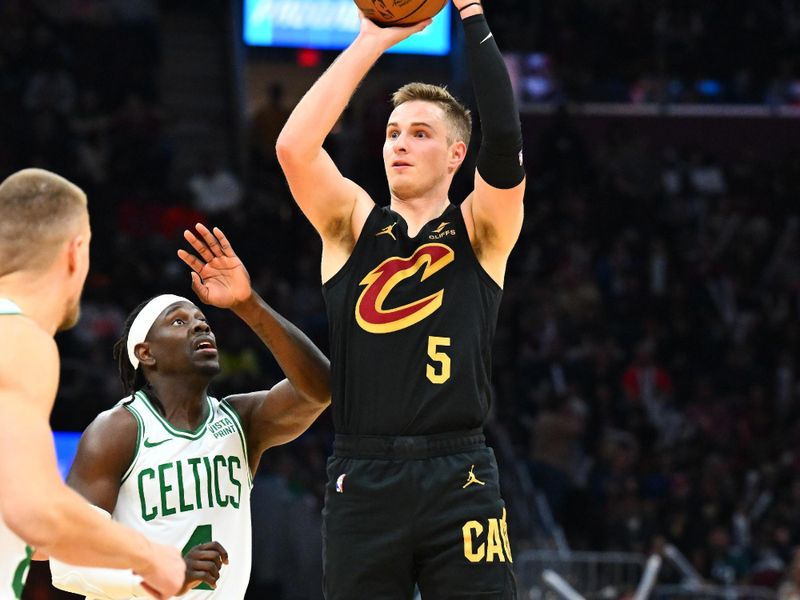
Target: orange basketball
{"x":399,"y":12}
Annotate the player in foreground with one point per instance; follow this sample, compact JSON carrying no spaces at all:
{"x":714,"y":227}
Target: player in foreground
{"x":412,"y":293}
{"x":176,"y":463}
{"x":44,"y":259}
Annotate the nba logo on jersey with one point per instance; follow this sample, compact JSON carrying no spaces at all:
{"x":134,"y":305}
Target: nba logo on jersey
{"x":340,"y":483}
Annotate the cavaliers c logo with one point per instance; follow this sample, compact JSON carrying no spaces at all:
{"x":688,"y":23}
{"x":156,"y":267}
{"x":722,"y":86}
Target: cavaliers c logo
{"x":370,"y":313}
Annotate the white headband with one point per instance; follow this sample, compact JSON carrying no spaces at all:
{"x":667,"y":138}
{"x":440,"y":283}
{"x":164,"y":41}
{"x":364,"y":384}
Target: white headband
{"x":144,"y":321}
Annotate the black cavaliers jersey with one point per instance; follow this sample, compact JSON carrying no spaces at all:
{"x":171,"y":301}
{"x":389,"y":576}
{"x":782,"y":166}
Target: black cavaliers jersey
{"x":411,"y":327}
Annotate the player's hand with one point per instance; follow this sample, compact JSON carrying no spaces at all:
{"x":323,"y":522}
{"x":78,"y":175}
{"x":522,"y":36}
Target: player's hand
{"x":388,"y":36}
{"x":219,"y":279}
{"x":203,"y":563}
{"x":164,"y":576}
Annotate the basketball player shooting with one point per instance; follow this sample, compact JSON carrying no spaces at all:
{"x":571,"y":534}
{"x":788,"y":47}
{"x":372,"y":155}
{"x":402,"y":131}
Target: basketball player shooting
{"x":170,"y":460}
{"x":412,"y":292}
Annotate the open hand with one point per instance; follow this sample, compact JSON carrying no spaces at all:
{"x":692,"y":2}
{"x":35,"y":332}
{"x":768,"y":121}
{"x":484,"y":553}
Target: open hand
{"x":219,"y":279}
{"x":203,"y":563}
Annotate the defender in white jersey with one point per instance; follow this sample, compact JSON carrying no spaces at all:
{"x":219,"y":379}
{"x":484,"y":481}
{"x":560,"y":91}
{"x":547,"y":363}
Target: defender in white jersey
{"x":44,"y":259}
{"x":186,"y":488}
{"x":15,"y":555}
{"x":176,"y":463}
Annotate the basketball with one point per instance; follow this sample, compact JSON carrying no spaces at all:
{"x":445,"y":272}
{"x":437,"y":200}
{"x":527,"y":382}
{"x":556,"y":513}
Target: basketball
{"x":400,"y":12}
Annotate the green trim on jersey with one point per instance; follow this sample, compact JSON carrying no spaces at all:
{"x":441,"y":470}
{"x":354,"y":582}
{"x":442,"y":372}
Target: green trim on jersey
{"x":21,"y":573}
{"x":139,"y":437}
{"x":7,"y":307}
{"x":189,"y":435}
{"x":231,"y":412}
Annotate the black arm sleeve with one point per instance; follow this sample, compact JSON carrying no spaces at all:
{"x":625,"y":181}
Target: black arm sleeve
{"x":500,"y":155}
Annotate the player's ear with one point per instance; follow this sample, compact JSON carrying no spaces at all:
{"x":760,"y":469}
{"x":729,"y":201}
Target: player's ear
{"x":456,"y":155}
{"x":75,"y":253}
{"x":142,"y":352}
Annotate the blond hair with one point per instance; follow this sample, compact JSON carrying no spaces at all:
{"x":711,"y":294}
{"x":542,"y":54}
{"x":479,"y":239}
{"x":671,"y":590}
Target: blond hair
{"x":457,"y":116}
{"x":39,"y":211}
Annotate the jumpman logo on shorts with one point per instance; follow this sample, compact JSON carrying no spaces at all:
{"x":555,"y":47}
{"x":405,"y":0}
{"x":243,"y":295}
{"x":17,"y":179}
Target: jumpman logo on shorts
{"x":472,"y":479}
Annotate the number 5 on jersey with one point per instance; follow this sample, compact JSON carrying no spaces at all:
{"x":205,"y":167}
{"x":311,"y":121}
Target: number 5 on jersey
{"x":440,"y":372}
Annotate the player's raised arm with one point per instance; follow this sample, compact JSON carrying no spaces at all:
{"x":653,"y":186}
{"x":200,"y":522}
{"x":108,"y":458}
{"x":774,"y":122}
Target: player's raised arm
{"x":219,"y":278}
{"x":495,"y":206}
{"x":44,"y":512}
{"x":275,"y":416}
{"x":323,"y":194}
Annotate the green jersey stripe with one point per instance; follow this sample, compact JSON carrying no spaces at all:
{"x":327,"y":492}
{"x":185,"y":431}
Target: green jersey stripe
{"x":189,"y":435}
{"x":7,"y":307}
{"x":231,"y":412}
{"x":139,"y":437}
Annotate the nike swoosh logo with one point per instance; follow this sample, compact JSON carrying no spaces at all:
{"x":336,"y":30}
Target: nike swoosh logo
{"x":149,"y":444}
{"x":487,"y":37}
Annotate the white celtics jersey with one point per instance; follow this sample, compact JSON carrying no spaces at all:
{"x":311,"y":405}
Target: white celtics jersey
{"x":185,"y":488}
{"x":15,"y":557}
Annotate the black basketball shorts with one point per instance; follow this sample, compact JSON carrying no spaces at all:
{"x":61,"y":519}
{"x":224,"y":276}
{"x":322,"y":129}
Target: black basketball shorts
{"x":415,"y":509}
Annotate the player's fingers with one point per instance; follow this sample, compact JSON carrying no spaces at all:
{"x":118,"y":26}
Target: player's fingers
{"x":197,"y":577}
{"x":210,"y":579}
{"x":217,"y":547}
{"x":205,"y":566}
{"x":208,"y":554}
{"x":224,"y":244}
{"x":199,"y":245}
{"x":191,"y":260}
{"x":422,"y":25}
{"x":209,"y":239}
{"x":198,"y":287}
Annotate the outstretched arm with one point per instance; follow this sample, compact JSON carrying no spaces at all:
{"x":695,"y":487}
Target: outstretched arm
{"x":41,"y":510}
{"x":494,"y":210}
{"x":220,"y":279}
{"x":327,"y":199}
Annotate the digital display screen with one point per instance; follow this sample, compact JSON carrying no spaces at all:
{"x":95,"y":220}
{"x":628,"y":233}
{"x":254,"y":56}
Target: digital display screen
{"x":328,"y":25}
{"x":66,"y":445}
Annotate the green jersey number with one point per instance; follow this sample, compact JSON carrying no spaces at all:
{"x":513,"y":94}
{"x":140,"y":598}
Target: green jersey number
{"x":201,"y":535}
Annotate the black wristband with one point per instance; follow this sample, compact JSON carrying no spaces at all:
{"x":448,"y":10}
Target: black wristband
{"x":468,"y":5}
{"x":499,"y":158}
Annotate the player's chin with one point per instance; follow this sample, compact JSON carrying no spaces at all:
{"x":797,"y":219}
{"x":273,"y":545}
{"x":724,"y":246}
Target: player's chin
{"x":207,"y":366}
{"x":403,"y":187}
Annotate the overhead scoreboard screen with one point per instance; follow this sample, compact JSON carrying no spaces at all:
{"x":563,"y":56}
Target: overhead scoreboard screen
{"x":328,"y":25}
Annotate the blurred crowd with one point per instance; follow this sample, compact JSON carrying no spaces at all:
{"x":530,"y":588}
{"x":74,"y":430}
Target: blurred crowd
{"x":732,"y":51}
{"x":646,"y":358}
